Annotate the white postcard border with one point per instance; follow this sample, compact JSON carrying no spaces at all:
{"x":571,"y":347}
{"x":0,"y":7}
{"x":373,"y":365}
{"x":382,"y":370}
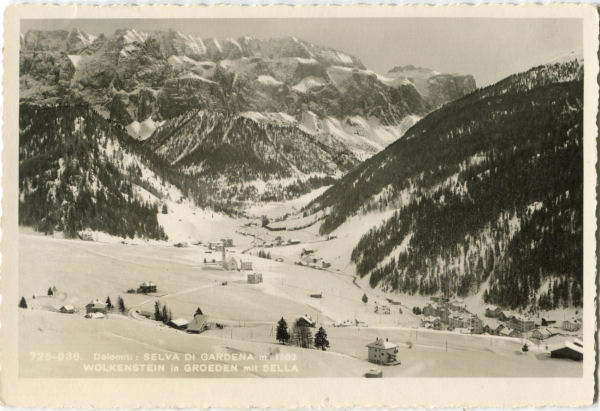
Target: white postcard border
{"x":289,"y":393}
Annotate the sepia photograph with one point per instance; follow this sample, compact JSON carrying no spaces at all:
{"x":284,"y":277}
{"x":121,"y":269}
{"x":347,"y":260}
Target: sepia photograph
{"x":302,"y":197}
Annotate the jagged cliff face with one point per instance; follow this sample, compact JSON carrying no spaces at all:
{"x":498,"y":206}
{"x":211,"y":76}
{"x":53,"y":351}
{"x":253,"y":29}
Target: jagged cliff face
{"x":488,"y":192}
{"x":437,"y":88}
{"x":142,"y":79}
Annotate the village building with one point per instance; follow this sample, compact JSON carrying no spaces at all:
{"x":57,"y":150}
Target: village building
{"x":432,"y":322}
{"x":492,"y":312}
{"x":571,"y":325}
{"x":67,"y":309}
{"x":497,"y":330}
{"x":179,"y":324}
{"x":246,"y":265}
{"x":438,"y":310}
{"x":444,"y":314}
{"x":231,"y":264}
{"x":301,"y":333}
{"x":476,"y":325}
{"x":502,"y":316}
{"x":459,"y":321}
{"x":293,"y":241}
{"x":509,"y":332}
{"x":94,"y":316}
{"x":521,"y":324}
{"x":227,"y":242}
{"x":382,"y":309}
{"x":308,"y":260}
{"x":542,"y":333}
{"x":506,"y":332}
{"x":568,"y":350}
{"x":215,"y":246}
{"x":382,"y":352}
{"x":146,"y":287}
{"x":430,"y":310}
{"x":199,"y":324}
{"x":255,"y":278}
{"x":306,"y":321}
{"x":96,"y":306}
{"x":457,"y":305}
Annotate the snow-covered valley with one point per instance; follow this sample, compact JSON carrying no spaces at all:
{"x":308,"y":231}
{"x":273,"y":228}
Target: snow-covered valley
{"x":247,"y":313}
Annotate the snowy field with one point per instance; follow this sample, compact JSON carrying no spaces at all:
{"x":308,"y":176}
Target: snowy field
{"x":82,"y":271}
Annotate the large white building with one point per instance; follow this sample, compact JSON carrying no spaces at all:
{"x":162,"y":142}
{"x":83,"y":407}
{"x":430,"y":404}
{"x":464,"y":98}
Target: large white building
{"x":382,"y":352}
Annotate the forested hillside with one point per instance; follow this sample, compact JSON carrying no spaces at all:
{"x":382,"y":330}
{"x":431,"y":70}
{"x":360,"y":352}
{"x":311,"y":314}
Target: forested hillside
{"x":488,"y":192}
{"x":76,"y":173}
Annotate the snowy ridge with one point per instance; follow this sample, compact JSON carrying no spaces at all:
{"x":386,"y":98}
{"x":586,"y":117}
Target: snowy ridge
{"x":269,"y":81}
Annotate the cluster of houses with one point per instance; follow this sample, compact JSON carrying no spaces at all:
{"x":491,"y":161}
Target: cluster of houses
{"x":451,"y":314}
{"x":220,"y":245}
{"x":351,"y":323}
{"x":228,"y":262}
{"x":382,"y":309}
{"x":518,"y":325}
{"x":278,"y":242}
{"x":309,"y":260}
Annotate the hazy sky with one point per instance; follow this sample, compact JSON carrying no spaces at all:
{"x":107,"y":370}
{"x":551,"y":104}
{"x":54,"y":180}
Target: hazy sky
{"x":489,"y":49}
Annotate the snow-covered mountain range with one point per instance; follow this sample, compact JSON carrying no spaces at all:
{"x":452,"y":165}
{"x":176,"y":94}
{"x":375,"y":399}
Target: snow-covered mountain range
{"x":140,"y":80}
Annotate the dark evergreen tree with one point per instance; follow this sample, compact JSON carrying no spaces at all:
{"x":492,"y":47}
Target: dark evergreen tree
{"x":365,"y":299}
{"x":166,"y":317}
{"x":264,"y":221}
{"x":321,"y":340}
{"x":109,"y":303}
{"x":283,"y":335}
{"x":121,"y":304}
{"x":157,"y":312}
{"x":22,"y":303}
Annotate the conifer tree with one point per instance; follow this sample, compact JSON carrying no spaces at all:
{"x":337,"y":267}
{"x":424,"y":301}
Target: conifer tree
{"x":157,"y":312}
{"x":109,"y":303}
{"x":22,"y":303}
{"x":283,"y":335}
{"x":165,"y":314}
{"x":121,"y":304}
{"x":365,"y":299}
{"x":50,"y":292}
{"x":321,"y":340}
